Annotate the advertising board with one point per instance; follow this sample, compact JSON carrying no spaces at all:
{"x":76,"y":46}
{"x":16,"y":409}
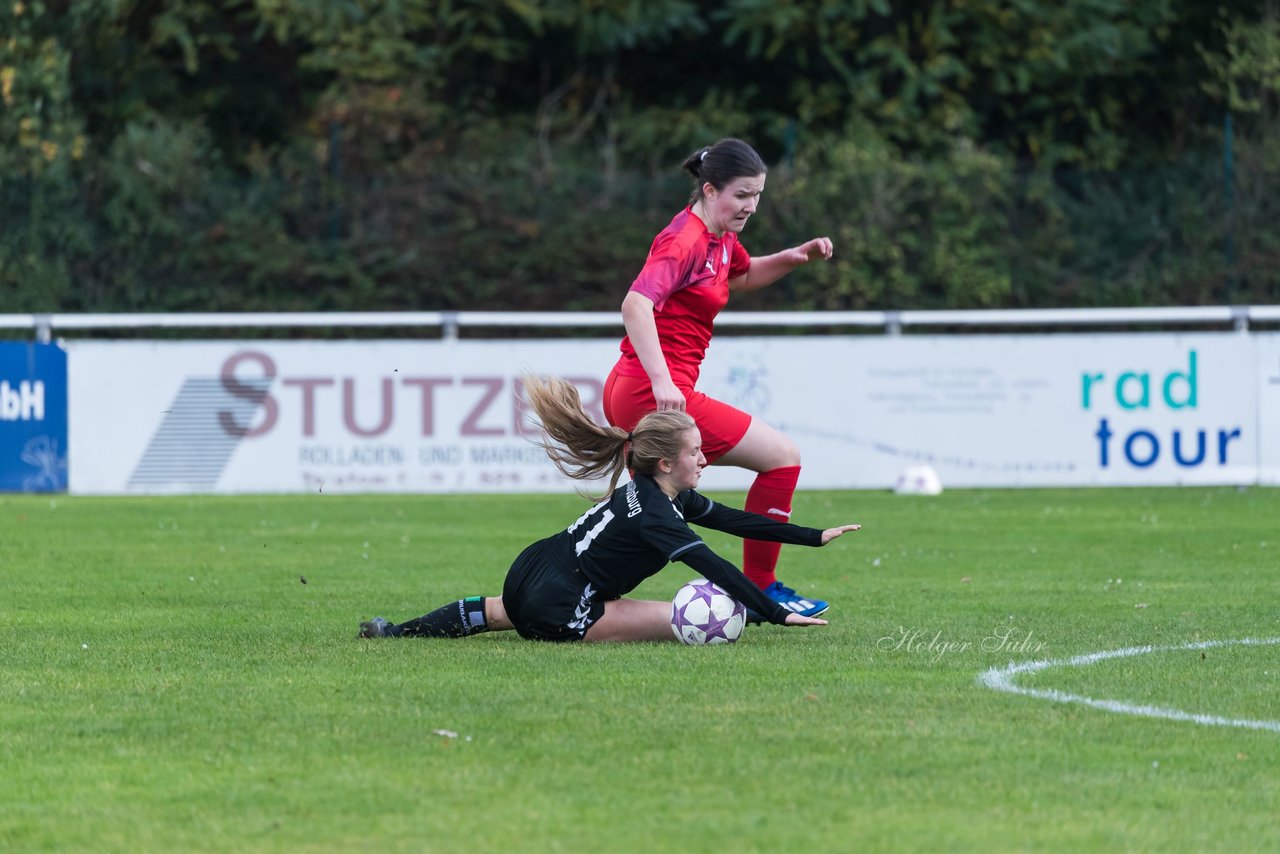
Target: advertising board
{"x":449,"y":416}
{"x":33,"y":417}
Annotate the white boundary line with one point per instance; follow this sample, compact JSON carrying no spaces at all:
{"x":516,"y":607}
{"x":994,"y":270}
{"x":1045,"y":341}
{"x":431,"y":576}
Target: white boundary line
{"x":1003,"y":679}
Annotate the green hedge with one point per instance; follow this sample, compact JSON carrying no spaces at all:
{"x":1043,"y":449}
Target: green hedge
{"x":369,"y":156}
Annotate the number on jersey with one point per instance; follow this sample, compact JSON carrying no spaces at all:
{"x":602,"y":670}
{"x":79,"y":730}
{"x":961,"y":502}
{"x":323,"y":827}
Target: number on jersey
{"x":594,"y":531}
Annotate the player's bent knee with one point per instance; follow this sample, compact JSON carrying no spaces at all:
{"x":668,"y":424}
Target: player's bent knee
{"x":495,"y":615}
{"x":762,"y":449}
{"x":791,"y":452}
{"x":782,"y":453}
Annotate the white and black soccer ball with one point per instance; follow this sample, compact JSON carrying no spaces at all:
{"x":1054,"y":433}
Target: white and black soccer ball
{"x":703,"y":613}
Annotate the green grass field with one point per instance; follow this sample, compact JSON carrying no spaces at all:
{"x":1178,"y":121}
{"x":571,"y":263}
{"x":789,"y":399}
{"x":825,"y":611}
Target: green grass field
{"x":169,"y":682}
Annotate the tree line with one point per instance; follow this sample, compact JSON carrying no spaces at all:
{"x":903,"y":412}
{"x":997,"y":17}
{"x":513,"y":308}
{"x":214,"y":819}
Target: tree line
{"x":161,"y":155}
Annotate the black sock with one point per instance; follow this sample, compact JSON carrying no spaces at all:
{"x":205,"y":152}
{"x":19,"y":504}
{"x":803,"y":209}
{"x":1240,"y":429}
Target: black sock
{"x":455,"y":620}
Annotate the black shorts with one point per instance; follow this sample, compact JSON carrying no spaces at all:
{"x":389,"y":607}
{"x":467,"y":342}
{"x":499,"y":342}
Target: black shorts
{"x":547,"y":597}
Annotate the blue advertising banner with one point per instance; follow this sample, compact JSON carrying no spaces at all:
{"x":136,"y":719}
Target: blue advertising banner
{"x":33,"y":417}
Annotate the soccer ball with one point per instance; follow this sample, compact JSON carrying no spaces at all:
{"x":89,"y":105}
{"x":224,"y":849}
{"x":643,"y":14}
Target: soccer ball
{"x":703,"y":613}
{"x":918,"y":480}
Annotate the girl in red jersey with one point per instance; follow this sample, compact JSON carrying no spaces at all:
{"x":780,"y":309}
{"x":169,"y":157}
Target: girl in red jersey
{"x":669,"y":313}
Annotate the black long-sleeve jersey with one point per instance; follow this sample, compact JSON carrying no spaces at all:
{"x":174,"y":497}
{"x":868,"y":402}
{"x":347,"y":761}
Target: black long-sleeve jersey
{"x":638,"y":530}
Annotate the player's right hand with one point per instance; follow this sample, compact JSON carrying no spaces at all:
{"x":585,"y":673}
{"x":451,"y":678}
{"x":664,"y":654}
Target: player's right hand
{"x":832,"y":533}
{"x":667,"y":396}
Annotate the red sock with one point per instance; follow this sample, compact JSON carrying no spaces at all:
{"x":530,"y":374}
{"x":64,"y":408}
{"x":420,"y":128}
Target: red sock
{"x":770,"y":496}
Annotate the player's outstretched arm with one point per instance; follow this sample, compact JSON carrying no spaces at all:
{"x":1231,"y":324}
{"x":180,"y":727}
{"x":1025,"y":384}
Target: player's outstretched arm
{"x":749,"y":526}
{"x":832,"y":533}
{"x":767,"y":269}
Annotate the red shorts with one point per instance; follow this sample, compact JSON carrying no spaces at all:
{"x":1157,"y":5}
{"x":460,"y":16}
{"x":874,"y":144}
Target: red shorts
{"x":628,"y":399}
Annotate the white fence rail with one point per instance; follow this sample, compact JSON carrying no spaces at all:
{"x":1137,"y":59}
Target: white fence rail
{"x":44,"y":326}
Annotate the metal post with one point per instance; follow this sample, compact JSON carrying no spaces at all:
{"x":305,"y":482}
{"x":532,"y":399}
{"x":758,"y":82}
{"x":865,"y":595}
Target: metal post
{"x":1240,"y":318}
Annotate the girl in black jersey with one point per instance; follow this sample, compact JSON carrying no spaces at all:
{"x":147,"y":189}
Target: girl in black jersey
{"x":570,"y":586}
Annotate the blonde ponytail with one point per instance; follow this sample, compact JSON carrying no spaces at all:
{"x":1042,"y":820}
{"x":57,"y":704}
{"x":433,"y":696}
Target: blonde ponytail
{"x":583,"y":450}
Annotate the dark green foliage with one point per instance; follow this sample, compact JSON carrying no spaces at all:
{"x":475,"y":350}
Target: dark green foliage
{"x":521,"y":155}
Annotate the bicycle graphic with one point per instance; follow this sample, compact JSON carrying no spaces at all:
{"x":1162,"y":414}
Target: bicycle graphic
{"x":42,"y":452}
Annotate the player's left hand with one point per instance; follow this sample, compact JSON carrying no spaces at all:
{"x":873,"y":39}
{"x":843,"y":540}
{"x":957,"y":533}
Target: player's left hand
{"x":800,"y":620}
{"x":831,"y":533}
{"x":818,"y":248}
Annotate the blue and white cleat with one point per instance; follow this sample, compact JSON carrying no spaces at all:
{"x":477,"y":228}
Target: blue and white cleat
{"x":375,"y":628}
{"x":792,"y":601}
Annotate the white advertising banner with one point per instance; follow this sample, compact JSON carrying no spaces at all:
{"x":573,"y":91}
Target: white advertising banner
{"x":430,"y":416}
{"x":446,"y":416}
{"x":1053,"y":410}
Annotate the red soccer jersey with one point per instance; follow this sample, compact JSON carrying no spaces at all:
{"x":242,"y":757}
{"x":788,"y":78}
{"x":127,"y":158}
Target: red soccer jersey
{"x":687,"y":276}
